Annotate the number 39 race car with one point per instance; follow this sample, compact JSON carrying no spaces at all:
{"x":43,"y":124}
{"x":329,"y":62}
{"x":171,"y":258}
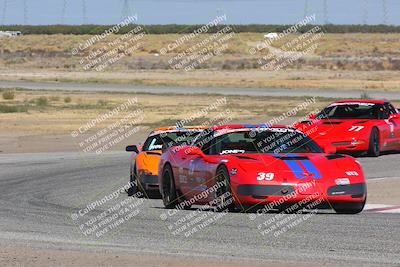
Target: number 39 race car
{"x":243,"y":166}
{"x":356,"y":126}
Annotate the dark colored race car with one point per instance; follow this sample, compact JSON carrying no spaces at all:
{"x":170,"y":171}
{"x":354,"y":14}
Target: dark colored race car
{"x":145,"y":158}
{"x":356,"y":126}
{"x":243,"y":166}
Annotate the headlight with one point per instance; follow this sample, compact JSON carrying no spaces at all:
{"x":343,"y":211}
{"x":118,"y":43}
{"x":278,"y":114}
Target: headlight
{"x":342,"y":181}
{"x":357,"y":142}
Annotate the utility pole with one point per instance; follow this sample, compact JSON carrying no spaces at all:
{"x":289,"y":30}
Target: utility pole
{"x":385,"y":11}
{"x":306,"y":8}
{"x":325,"y":10}
{"x":63,"y":11}
{"x":3,"y":17}
{"x":365,"y":13}
{"x":25,"y":12}
{"x":126,"y":10}
{"x":84,"y":16}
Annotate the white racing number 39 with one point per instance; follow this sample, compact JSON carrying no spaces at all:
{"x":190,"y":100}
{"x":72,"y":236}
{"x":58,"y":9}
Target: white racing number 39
{"x":265,"y":176}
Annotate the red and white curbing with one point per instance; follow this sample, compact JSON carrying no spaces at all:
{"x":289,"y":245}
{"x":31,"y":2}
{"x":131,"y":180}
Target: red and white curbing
{"x":382,"y":208}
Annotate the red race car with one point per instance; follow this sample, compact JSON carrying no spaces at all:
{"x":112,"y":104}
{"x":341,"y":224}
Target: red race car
{"x":244,"y":166}
{"x":366,"y":126}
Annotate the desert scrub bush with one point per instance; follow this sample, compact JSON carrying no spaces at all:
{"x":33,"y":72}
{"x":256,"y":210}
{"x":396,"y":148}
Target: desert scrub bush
{"x":12,"y":109}
{"x":42,"y":101}
{"x":365,"y":95}
{"x":102,"y":103}
{"x":54,"y":98}
{"x":67,"y":99}
{"x":9,"y":94}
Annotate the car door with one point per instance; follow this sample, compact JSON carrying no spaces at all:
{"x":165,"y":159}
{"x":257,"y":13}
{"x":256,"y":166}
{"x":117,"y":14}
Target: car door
{"x":394,"y":127}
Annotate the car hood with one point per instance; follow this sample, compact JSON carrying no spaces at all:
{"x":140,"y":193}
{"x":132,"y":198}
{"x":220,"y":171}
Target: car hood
{"x":332,"y":127}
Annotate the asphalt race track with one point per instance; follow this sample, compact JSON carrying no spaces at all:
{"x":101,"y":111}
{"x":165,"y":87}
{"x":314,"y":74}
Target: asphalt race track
{"x":40,"y":192}
{"x":295,"y":92}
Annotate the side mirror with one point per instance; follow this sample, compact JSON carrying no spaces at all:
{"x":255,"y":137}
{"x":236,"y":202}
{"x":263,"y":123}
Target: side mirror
{"x":312,"y":116}
{"x":330,"y":149}
{"x":194,"y":151}
{"x":132,"y":148}
{"x":394,"y":116}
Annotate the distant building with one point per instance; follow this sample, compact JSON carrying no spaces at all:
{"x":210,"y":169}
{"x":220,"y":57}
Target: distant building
{"x":10,"y":33}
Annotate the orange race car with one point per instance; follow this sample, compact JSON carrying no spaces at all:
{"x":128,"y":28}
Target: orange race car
{"x":145,"y":159}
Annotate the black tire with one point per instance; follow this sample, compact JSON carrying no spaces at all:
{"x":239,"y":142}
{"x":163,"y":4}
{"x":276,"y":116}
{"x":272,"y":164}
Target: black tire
{"x":224,"y":193}
{"x":133,"y":189}
{"x":169,"y":194}
{"x":349,"y":208}
{"x":374,"y":146}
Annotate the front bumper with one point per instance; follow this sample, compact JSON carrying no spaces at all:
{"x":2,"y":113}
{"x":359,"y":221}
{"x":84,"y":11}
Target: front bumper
{"x":148,"y":182}
{"x":290,"y":194}
{"x":345,"y":145}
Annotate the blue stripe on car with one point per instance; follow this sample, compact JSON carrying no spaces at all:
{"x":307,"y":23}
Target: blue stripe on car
{"x":311,"y":168}
{"x":295,"y":167}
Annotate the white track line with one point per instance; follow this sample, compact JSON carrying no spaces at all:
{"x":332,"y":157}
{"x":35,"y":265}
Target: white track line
{"x":382,"y":208}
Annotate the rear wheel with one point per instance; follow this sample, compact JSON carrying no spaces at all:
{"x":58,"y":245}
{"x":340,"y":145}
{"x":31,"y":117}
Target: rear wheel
{"x":169,"y":194}
{"x":224,"y":192}
{"x":374,"y":145}
{"x":349,"y":208}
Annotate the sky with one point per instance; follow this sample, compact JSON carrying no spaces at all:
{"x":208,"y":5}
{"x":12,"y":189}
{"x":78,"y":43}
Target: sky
{"x":44,"y":12}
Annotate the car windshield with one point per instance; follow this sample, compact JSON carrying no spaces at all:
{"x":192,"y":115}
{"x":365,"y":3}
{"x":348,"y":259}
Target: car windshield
{"x":262,"y":141}
{"x":353,"y":111}
{"x":168,"y":139}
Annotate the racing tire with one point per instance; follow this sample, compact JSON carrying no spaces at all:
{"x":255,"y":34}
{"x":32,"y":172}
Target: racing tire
{"x":133,"y":189}
{"x":349,"y":208}
{"x":374,"y":146}
{"x":225,"y":199}
{"x":169,"y":193}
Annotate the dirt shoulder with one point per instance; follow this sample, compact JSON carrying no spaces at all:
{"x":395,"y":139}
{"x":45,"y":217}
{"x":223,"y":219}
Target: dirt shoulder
{"x":22,"y":256}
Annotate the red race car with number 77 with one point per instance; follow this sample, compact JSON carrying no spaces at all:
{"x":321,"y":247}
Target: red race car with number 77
{"x":244,"y":166}
{"x":356,"y":126}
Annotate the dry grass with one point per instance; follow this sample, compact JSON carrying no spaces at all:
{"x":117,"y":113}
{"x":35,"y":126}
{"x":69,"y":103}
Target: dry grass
{"x":356,"y":45}
{"x":341,"y":61}
{"x":58,"y":117}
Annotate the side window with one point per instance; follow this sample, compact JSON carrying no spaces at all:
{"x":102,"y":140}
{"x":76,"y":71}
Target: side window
{"x":213,"y":147}
{"x":208,"y":147}
{"x":390,"y":108}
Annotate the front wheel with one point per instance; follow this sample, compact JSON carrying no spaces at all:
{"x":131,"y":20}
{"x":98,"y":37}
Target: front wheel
{"x":224,"y":192}
{"x":349,"y":208}
{"x":374,"y":149}
{"x":133,"y":189}
{"x":169,"y":195}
